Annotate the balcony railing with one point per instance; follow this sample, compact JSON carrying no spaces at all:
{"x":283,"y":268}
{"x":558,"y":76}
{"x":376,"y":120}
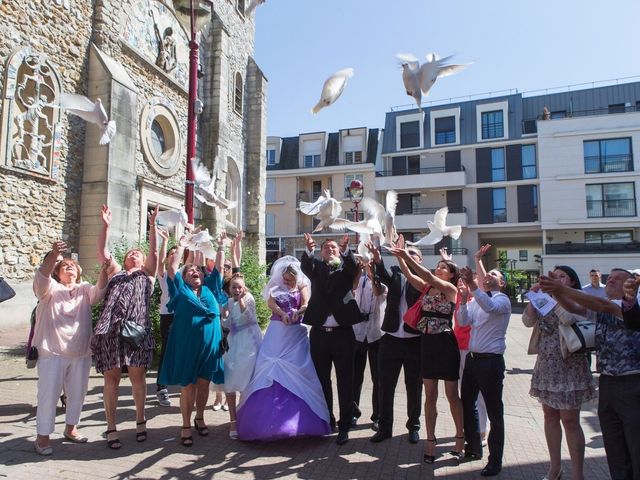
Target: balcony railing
{"x":529,"y":126}
{"x":431,"y":211}
{"x":608,"y":163}
{"x":611,"y":208}
{"x":603,"y":248}
{"x":416,"y":171}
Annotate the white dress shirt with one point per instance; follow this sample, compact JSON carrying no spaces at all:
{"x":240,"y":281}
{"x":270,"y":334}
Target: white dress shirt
{"x":370,"y":304}
{"x":489,"y":318}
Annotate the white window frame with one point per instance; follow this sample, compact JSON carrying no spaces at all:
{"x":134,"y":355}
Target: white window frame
{"x":275,"y":156}
{"x":449,"y":112}
{"x":353,"y":155}
{"x":406,"y":119}
{"x":490,"y":107}
{"x":305,"y":150}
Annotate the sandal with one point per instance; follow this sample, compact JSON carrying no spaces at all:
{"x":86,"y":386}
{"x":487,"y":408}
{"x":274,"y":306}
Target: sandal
{"x":186,"y":441}
{"x":233,"y":432}
{"x":113,"y":444}
{"x":142,"y":435}
{"x":426,"y":458}
{"x":455,"y":453}
{"x":202,"y":431}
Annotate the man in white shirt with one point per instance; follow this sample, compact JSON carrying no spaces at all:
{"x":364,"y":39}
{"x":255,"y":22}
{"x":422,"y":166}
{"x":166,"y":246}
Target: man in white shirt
{"x":596,"y":287}
{"x":484,"y":367}
{"x":371,"y":296}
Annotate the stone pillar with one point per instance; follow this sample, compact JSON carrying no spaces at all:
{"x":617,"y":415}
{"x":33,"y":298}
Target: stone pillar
{"x":255,"y":172}
{"x":109,"y":170}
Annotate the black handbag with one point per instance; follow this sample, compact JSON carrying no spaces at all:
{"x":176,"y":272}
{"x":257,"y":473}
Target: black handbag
{"x":132,"y":333}
{"x":6,"y":292}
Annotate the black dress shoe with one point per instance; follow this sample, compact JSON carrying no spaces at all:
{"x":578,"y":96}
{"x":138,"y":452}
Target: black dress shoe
{"x":379,"y":436}
{"x":491,"y":470}
{"x":471,"y":456}
{"x":354,"y":421}
{"x":414,"y":436}
{"x":343,"y":437}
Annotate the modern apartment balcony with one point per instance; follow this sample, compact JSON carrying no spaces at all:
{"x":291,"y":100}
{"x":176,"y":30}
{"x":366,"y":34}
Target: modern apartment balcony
{"x":417,"y":218}
{"x":413,"y":179}
{"x":571,"y":248}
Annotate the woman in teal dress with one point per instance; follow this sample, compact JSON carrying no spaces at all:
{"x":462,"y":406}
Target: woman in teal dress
{"x":193,"y":358}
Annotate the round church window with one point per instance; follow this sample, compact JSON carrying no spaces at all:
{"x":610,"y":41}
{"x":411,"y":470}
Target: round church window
{"x":160,"y":136}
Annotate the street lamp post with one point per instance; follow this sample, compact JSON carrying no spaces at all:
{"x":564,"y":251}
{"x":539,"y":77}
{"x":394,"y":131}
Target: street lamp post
{"x":192,"y":15}
{"x":355,"y":191}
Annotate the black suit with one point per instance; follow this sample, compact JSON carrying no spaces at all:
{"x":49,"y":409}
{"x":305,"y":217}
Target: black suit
{"x":397,"y":353}
{"x":331,"y":295}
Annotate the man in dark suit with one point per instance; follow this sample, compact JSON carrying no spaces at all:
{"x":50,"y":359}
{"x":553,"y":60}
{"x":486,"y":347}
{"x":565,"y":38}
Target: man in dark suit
{"x":331,"y":312}
{"x":399,"y":348}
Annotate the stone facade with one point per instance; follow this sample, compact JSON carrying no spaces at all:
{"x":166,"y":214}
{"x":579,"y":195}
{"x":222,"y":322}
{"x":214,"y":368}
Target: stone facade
{"x":107,"y":49}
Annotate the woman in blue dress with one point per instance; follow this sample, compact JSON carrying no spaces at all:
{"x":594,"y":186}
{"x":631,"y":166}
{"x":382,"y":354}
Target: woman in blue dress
{"x":193,"y":358}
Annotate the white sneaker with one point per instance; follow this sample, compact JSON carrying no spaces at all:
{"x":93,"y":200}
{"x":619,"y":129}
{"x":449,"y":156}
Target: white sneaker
{"x":163,"y":398}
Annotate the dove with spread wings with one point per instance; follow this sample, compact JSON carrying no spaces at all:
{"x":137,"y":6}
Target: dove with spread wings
{"x":326,"y":209}
{"x":438,"y":229}
{"x":418,"y":79}
{"x":89,"y":111}
{"x":385,"y":215}
{"x":205,"y":187}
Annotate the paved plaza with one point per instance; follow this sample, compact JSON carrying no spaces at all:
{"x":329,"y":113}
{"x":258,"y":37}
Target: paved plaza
{"x":217,"y":456}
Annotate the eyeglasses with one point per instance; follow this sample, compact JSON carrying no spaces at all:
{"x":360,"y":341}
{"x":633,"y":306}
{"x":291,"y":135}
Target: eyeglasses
{"x":227,"y":267}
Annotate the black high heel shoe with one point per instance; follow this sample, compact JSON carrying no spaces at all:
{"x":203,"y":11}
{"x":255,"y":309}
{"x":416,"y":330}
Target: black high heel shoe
{"x":430,"y":458}
{"x":455,"y":453}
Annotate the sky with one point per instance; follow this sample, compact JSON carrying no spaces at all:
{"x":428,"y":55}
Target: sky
{"x":515,"y":44}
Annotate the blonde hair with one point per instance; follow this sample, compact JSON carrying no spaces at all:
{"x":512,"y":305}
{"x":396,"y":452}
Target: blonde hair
{"x":56,"y":269}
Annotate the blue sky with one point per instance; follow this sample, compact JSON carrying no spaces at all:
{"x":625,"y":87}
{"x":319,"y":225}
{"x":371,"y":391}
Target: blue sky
{"x":515,"y":44}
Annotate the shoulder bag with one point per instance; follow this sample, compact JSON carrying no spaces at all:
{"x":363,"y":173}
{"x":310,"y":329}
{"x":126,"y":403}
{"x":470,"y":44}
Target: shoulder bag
{"x":579,"y":337}
{"x":132,"y":333}
{"x":6,"y":292}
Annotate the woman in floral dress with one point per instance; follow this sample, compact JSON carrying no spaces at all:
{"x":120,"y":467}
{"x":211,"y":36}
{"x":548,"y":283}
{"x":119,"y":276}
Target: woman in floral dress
{"x":560,"y":384}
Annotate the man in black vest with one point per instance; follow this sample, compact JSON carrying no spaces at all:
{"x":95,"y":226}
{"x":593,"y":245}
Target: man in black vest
{"x":331,"y":312}
{"x":399,"y":348}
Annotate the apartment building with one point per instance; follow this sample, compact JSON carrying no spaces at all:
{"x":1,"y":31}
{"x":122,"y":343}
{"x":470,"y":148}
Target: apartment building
{"x":300,"y":168}
{"x":548,"y":179}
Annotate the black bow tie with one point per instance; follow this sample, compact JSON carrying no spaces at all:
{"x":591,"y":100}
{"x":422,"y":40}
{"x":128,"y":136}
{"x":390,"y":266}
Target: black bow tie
{"x":490,"y":294}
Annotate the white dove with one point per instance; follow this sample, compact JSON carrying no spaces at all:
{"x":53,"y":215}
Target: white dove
{"x":438,"y":229}
{"x":221,"y":215}
{"x":418,"y":79}
{"x":385,"y":215}
{"x":171,"y":218}
{"x":363,"y":252}
{"x":367,"y":228}
{"x":252,"y":6}
{"x":205,"y":187}
{"x":89,"y":111}
{"x":332,"y":89}
{"x":325,"y":208}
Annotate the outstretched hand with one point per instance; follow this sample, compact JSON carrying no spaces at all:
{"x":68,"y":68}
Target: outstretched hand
{"x":482,"y":251}
{"x":105,"y":214}
{"x":550,"y":284}
{"x":311,"y":244}
{"x":466,"y":275}
{"x":630,"y":289}
{"x":445,"y":255}
{"x":375,"y":253}
{"x":58,"y":247}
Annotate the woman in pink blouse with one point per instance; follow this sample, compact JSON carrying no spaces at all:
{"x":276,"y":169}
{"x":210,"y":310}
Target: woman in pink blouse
{"x":62,"y":335}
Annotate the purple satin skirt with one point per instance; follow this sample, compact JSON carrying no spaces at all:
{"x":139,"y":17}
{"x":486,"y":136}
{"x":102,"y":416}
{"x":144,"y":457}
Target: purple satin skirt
{"x":274,"y":413}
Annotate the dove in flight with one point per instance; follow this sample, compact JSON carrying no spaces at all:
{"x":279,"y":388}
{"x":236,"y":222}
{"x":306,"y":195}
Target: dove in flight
{"x":325,"y":208}
{"x":418,"y":79}
{"x":253,"y":5}
{"x":363,"y":252}
{"x":332,"y":89}
{"x":221,"y":216}
{"x":384,"y":214}
{"x":89,"y":111}
{"x":205,"y":187}
{"x":438,"y":229}
{"x":171,"y":218}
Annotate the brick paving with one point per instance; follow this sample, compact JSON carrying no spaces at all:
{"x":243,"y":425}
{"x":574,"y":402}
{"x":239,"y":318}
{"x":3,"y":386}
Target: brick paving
{"x":217,"y":456}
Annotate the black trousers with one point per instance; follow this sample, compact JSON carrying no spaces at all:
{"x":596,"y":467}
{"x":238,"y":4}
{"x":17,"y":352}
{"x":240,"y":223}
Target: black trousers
{"x":395,"y":354}
{"x":337,"y":348}
{"x":484,"y":374}
{"x":165,"y":325}
{"x":619,"y":414}
{"x":364,"y":349}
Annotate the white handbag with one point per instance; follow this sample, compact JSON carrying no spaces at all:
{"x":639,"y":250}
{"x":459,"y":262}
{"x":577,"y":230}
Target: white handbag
{"x":579,"y":337}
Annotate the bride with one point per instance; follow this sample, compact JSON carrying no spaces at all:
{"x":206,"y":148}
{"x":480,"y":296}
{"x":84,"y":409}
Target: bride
{"x":284,"y":397}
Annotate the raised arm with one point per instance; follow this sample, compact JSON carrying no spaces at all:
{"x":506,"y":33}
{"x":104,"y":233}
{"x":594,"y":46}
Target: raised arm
{"x":236,"y":251}
{"x":162,"y":253}
{"x":151,"y":263}
{"x":101,"y":245}
{"x":477,"y":257}
{"x":173,"y":262}
{"x":220,"y":253}
{"x":306,"y":262}
{"x":448,"y":288}
{"x":564,"y":293}
{"x":51,"y":258}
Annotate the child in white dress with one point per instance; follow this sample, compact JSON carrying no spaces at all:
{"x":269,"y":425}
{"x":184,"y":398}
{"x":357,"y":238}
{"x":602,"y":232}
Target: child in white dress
{"x":245,"y":338}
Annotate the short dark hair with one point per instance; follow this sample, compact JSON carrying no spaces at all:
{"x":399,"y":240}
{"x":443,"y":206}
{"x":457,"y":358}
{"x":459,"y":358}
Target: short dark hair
{"x":326,"y":240}
{"x":594,"y":270}
{"x":617,"y":269}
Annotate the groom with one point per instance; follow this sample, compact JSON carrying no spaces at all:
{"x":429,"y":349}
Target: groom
{"x":331,"y":313}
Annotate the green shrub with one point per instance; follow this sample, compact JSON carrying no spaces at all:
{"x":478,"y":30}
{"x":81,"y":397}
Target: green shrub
{"x":255,"y":279}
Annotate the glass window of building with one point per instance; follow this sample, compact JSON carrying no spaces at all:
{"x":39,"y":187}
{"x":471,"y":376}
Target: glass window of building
{"x":610,"y":155}
{"x":445,"y":129}
{"x":611,"y":200}
{"x":271,"y":156}
{"x":497,"y":164}
{"x":410,"y":134}
{"x":492,"y":124}
{"x":499,"y":205}
{"x":528,"y":161}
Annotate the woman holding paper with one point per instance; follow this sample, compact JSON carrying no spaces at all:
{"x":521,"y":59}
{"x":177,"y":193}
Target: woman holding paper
{"x":560,"y":384}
